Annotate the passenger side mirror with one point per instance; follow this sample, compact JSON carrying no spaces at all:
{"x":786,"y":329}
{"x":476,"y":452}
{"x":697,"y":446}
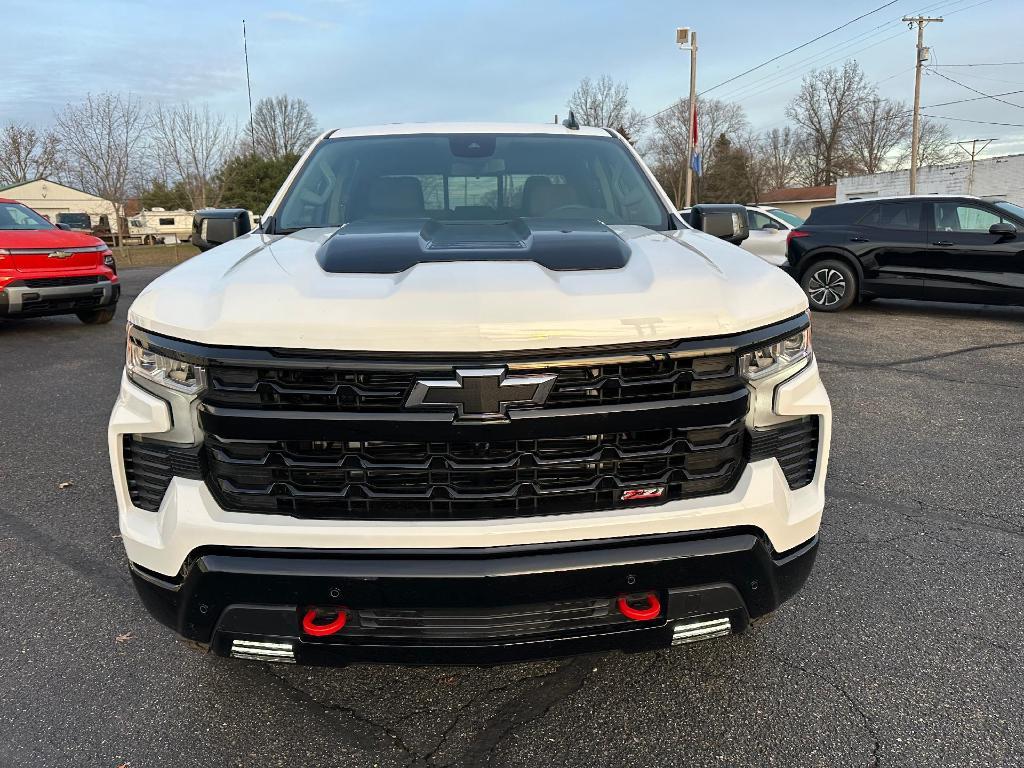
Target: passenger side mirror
{"x":216,"y":226}
{"x":726,"y":221}
{"x":1003,"y":229}
{"x":65,"y":227}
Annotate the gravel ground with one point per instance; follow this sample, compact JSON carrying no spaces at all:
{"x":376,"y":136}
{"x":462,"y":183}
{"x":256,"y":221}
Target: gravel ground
{"x":902,"y":650}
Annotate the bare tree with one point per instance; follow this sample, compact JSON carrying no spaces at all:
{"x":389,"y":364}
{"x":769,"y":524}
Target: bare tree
{"x":667,"y":147}
{"x":26,"y":154}
{"x":935,"y":147}
{"x":605,"y":104}
{"x":282,"y":126}
{"x":826,"y":109}
{"x":880,"y":127}
{"x":778,"y":151}
{"x":102,"y":139}
{"x":756,"y":163}
{"x":191,"y":144}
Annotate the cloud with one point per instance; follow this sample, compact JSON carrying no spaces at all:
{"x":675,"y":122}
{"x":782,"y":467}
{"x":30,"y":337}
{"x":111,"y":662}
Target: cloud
{"x":294,"y":18}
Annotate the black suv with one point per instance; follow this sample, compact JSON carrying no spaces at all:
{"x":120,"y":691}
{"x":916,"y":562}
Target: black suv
{"x":925,"y":247}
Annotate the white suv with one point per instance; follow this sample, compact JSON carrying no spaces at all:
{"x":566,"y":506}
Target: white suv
{"x":473,"y":392}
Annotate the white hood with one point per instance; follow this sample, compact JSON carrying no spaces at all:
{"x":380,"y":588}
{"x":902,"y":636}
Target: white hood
{"x":265,"y":291}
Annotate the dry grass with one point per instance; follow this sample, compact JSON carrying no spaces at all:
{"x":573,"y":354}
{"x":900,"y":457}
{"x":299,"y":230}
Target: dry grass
{"x":154,"y":255}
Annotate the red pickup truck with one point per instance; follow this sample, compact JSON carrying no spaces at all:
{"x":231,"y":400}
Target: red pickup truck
{"x":47,"y":270}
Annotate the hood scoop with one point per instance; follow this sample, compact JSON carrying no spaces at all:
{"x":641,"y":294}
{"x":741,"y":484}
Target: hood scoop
{"x":390,"y":247}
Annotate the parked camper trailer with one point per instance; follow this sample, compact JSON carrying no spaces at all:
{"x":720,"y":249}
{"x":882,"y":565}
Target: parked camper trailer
{"x":158,"y":226}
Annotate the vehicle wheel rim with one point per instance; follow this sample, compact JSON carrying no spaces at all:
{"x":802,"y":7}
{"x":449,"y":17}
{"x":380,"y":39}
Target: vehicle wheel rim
{"x":827,"y":287}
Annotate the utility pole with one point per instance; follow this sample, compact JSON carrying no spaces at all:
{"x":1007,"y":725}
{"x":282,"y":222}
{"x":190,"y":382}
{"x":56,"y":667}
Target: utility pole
{"x":922,"y":57}
{"x":973,"y":153}
{"x":687,"y":38}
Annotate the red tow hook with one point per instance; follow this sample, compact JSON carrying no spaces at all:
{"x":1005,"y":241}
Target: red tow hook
{"x":311,"y":621}
{"x":647,"y":613}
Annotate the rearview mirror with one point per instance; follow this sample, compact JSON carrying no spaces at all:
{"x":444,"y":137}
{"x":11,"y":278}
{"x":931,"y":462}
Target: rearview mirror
{"x":726,"y":221}
{"x":215,"y":226}
{"x":1003,"y":229}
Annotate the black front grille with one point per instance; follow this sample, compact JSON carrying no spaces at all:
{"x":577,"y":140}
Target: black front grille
{"x":60,"y":282}
{"x":150,"y":465}
{"x":384,"y":480}
{"x":630,"y":379}
{"x":549,"y":619}
{"x":794,"y":444}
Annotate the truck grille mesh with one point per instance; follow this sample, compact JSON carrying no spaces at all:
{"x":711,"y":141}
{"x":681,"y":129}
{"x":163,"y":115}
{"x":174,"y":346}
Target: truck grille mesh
{"x":60,"y":282}
{"x":466,"y":624}
{"x":150,"y":465}
{"x":636,"y":379}
{"x":794,"y":444}
{"x":382,"y":480}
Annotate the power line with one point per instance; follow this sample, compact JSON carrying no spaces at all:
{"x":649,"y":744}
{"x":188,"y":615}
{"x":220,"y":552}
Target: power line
{"x":786,"y":76}
{"x":961,"y":10}
{"x":982,"y":93}
{"x":802,"y":45}
{"x":782,"y":76}
{"x":991,"y":79}
{"x":965,"y":101}
{"x":773,"y":59}
{"x":977,"y":122}
{"x":982,"y":64}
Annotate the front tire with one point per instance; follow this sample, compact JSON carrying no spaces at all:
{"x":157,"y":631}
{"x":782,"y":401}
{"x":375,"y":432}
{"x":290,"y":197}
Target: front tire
{"x":831,"y":286}
{"x":97,"y":316}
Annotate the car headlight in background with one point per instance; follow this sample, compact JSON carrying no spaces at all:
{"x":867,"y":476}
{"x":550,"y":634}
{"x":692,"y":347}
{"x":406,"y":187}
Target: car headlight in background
{"x":179,"y":375}
{"x":776,"y":357}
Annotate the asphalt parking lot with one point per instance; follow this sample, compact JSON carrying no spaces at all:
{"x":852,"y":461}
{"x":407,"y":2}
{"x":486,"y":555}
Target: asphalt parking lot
{"x":902,"y":650}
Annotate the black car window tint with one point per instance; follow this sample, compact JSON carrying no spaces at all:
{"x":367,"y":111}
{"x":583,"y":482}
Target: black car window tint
{"x":870,"y":217}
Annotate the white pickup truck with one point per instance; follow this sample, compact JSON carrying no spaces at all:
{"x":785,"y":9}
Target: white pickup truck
{"x":472,"y":392}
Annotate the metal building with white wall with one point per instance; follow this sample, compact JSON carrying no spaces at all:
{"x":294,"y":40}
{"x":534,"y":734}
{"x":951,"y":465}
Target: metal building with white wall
{"x":50,"y":198}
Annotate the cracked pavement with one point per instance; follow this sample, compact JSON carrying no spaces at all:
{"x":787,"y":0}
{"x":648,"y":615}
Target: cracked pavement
{"x":902,"y":650}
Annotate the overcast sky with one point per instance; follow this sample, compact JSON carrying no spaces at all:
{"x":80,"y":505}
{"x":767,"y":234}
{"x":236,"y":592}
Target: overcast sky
{"x":367,"y":61}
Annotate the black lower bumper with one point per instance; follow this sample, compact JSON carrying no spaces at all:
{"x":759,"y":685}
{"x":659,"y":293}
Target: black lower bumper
{"x":223,"y":595}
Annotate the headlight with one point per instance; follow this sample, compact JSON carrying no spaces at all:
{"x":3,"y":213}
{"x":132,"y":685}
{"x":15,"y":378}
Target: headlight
{"x":174,"y":374}
{"x":776,"y":357}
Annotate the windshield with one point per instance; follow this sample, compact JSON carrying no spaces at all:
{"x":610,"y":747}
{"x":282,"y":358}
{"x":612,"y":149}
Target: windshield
{"x":1011,"y":208}
{"x":17,"y":216}
{"x":463,"y":177}
{"x":790,"y":218}
{"x":80,"y":220}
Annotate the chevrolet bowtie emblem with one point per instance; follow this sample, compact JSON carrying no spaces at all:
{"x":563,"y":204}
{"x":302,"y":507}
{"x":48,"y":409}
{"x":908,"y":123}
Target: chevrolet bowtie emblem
{"x":481,"y":394}
{"x":59,"y":255}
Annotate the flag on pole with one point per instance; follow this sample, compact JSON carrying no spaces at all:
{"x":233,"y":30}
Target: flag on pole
{"x":695,"y":161}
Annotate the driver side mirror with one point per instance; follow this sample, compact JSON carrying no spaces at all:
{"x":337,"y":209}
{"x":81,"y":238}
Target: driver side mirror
{"x":726,"y":221}
{"x":771,"y":225}
{"x":216,"y":226}
{"x":65,"y":227}
{"x":1003,"y":229}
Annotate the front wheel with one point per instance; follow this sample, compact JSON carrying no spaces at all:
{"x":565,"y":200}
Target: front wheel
{"x":97,"y":316}
{"x":831,"y":286}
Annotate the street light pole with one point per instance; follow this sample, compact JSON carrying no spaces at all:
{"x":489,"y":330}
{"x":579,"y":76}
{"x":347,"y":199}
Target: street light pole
{"x":922,"y":56}
{"x":689,"y":126}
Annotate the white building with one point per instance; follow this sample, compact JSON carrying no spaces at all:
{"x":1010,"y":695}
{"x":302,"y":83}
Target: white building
{"x":50,"y":198}
{"x":997,"y":178}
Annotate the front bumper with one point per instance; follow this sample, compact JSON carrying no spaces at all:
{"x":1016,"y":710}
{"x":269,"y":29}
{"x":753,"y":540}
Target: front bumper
{"x":227,"y":599}
{"x":18,"y":300}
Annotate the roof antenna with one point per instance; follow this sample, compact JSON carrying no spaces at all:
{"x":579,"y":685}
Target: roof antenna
{"x":570,"y":122}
